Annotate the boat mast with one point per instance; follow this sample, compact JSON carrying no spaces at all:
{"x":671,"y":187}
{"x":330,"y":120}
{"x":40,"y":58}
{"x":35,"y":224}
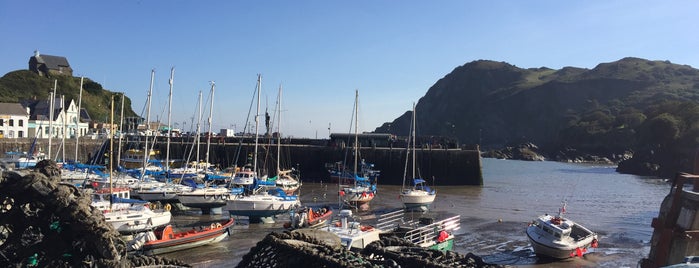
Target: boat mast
{"x":51,"y":101}
{"x":257,"y":122}
{"x":169,"y":120}
{"x":145,"y":147}
{"x":77,"y":119}
{"x":279,"y":126}
{"x":121,"y":123}
{"x":111,"y":150}
{"x":196,"y":166}
{"x":63,"y":133}
{"x":413,"y":126}
{"x":211,"y":114}
{"x":356,"y":138}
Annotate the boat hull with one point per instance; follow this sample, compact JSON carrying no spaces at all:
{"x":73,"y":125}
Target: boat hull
{"x":203,"y":201}
{"x":127,"y":222}
{"x":420,"y":202}
{"x":259,"y":207}
{"x":549,"y":249}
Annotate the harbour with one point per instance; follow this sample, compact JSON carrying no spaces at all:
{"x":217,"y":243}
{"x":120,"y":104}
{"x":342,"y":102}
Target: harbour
{"x":618,"y":207}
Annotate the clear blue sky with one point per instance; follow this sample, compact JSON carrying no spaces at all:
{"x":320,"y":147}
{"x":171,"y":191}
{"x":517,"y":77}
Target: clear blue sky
{"x":321,"y":51}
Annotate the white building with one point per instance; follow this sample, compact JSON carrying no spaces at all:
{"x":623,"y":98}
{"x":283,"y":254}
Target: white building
{"x":14,"y":120}
{"x":66,"y":122}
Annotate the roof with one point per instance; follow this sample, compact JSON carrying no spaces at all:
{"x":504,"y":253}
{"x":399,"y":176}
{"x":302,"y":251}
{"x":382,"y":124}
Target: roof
{"x":12,"y":109}
{"x":52,"y":62}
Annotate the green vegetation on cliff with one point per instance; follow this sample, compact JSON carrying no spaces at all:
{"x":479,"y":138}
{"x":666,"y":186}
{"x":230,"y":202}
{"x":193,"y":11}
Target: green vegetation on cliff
{"x":646,"y":107}
{"x":23,"y":85}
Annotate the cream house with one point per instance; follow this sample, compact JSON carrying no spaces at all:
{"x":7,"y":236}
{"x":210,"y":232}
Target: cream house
{"x":14,"y":120}
{"x":67,"y":121}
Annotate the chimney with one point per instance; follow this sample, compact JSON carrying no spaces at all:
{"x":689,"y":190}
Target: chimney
{"x":36,"y":53}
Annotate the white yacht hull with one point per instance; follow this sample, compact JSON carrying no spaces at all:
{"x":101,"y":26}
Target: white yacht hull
{"x":417,"y":199}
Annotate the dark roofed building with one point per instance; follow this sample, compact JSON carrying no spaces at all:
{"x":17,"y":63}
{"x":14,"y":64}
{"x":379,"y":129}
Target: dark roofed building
{"x":47,"y":65}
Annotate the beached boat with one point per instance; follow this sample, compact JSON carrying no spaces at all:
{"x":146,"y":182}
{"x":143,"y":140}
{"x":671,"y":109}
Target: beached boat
{"x":559,"y":237}
{"x":309,"y":218}
{"x":353,"y":234}
{"x":261,"y":199}
{"x":418,"y":196}
{"x":137,"y":219}
{"x":205,"y":198}
{"x":363,"y":189}
{"x":107,"y":199}
{"x":425,"y":232}
{"x":164,"y":240}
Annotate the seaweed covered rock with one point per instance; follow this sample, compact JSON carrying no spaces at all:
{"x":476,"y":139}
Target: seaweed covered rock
{"x":309,"y":249}
{"x":46,"y":223}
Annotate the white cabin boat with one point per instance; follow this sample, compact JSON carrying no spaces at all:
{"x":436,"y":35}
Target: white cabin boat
{"x":353,"y":235}
{"x":137,"y":219}
{"x":560,"y":238}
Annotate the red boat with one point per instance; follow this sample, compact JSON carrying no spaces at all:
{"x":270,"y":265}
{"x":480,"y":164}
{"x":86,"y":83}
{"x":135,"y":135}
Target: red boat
{"x":309,"y":218}
{"x":167,"y":240}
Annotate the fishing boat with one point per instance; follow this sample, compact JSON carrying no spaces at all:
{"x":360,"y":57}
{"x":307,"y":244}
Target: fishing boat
{"x":363,"y":189}
{"x":137,"y":219}
{"x":309,"y":217}
{"x":425,"y":232}
{"x":558,"y":237}
{"x":353,"y":234}
{"x":165,"y":239}
{"x":261,"y":199}
{"x":418,"y":196}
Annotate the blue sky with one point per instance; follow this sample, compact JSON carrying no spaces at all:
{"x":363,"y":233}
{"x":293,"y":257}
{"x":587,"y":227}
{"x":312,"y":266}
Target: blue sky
{"x":321,"y":51}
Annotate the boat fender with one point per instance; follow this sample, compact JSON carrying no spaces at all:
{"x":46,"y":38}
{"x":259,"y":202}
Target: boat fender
{"x":594,"y":243}
{"x":213,"y":225}
{"x":366,"y":228}
{"x":218,"y":225}
{"x":167,"y":207}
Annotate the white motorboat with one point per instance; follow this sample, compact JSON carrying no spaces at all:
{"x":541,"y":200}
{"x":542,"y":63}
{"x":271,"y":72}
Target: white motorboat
{"x":262,"y":206}
{"x":351,"y":232}
{"x":109,"y":199}
{"x":205,"y":198}
{"x":137,"y":219}
{"x":559,"y":237}
{"x":418,"y":196}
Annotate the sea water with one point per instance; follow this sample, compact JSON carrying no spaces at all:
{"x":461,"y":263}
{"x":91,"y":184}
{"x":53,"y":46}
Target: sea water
{"x":494,"y":216}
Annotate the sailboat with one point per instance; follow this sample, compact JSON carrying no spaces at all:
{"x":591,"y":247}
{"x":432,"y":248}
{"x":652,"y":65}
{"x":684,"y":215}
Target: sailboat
{"x":418,"y":196}
{"x":154,"y":191}
{"x":136,"y":218}
{"x":259,"y":202}
{"x":287,"y":180}
{"x":205,"y":196}
{"x":363,"y":189}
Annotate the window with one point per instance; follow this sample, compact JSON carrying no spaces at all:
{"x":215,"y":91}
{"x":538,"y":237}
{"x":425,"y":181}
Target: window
{"x":12,"y":122}
{"x":20,"y":134}
{"x":21,"y":123}
{"x":2,"y":122}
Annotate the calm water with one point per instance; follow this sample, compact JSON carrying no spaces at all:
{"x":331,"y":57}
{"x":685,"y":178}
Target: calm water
{"x":618,"y":207}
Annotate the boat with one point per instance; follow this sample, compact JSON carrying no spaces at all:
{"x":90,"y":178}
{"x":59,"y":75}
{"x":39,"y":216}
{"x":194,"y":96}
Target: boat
{"x":137,"y":218}
{"x":165,"y":239}
{"x":558,"y":237}
{"x":108,"y":199}
{"x":261,"y":200}
{"x":205,"y":197}
{"x":424,"y":232}
{"x":134,"y":158}
{"x":309,"y":217}
{"x":363,"y":189}
{"x":288,"y":180}
{"x":353,"y":235}
{"x":418,"y":196}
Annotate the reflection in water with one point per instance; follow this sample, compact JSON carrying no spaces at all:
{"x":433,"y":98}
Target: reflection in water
{"x":493,"y":217}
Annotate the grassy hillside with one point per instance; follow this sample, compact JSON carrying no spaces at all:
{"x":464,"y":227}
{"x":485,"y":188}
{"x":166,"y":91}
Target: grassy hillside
{"x":24,"y":84}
